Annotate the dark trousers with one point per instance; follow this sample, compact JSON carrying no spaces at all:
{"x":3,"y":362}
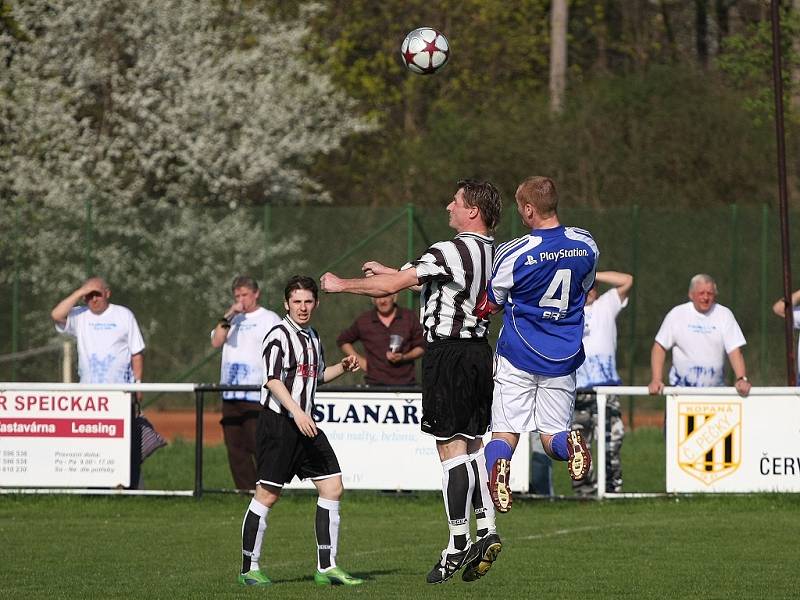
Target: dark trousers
{"x":136,"y":449}
{"x":239,"y":421}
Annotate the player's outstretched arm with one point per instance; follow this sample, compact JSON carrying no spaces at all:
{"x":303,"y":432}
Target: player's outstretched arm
{"x":375,"y":286}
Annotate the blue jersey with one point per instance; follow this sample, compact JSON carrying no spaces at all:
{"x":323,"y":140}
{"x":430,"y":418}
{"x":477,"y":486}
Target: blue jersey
{"x":541,"y":280}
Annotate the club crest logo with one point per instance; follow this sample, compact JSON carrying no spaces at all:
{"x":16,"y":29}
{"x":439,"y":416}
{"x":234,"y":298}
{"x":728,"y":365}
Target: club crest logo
{"x":709,"y":439}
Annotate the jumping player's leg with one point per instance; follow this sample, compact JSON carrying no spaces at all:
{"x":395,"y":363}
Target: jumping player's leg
{"x":458,"y":484}
{"x":498,"y":453}
{"x":555,"y":404}
{"x":513,"y":407}
{"x":487,"y":542}
{"x":456,"y":400}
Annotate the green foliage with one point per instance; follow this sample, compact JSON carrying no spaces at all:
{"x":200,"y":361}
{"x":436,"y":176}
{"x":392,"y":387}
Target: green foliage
{"x":747,"y":64}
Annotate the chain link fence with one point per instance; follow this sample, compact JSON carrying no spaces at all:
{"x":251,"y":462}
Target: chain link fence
{"x":663,"y":248}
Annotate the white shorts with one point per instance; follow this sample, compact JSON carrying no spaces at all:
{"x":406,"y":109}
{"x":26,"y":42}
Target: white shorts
{"x":524,"y":402}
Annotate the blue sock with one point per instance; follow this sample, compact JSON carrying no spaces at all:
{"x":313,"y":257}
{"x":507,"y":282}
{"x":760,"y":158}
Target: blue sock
{"x":495,"y":450}
{"x":558,"y":445}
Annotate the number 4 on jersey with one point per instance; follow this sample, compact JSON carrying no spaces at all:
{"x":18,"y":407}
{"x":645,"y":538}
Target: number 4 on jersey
{"x":557,"y":295}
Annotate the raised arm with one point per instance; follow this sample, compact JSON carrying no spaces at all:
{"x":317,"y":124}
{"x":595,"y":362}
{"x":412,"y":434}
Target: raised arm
{"x":61,"y":310}
{"x":623,"y":282}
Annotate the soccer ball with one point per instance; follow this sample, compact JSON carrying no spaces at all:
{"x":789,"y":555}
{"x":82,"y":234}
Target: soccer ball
{"x":425,"y":51}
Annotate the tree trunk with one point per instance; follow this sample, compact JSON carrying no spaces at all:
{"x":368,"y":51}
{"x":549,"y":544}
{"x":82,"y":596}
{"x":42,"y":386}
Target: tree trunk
{"x":795,"y":67}
{"x":558,"y":55}
{"x":701,"y":31}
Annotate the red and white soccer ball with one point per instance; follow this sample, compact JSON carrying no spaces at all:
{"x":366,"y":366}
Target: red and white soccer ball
{"x":425,"y":50}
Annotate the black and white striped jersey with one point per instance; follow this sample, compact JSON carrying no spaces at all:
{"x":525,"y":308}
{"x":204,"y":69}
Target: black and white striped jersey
{"x":453,"y":274}
{"x":294,"y":356}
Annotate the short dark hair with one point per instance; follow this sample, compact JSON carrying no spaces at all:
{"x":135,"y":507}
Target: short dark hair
{"x":485,"y":196}
{"x":244,"y":281}
{"x":300,"y":282}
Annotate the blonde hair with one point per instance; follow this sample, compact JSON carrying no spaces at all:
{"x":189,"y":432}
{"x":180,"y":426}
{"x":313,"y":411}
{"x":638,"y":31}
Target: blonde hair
{"x":539,"y":192}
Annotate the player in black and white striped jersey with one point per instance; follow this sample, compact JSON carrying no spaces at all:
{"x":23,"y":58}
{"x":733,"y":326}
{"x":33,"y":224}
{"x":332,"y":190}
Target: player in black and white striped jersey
{"x":456,"y":367}
{"x":287,"y":439}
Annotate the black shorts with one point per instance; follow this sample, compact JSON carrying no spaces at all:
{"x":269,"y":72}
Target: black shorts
{"x":457,"y":388}
{"x":283,"y":451}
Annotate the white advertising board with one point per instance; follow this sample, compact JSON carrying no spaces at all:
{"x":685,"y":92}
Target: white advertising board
{"x":64,"y":439}
{"x":733,"y":444}
{"x":377,"y":439}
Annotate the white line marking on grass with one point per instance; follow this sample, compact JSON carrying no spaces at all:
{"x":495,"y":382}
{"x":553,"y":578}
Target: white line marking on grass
{"x":557,"y":532}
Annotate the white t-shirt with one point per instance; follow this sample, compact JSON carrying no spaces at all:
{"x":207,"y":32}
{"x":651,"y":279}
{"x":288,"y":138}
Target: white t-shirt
{"x":241,"y":355}
{"x":106,"y":343}
{"x":699,"y":343}
{"x":600,"y":341}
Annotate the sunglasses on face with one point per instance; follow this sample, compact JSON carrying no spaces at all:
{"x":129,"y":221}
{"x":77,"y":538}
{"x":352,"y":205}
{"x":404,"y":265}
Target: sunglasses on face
{"x":92,"y":295}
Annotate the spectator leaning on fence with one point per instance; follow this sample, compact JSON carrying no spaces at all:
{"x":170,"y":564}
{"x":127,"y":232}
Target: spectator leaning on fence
{"x":700,"y":333}
{"x":779,"y":308}
{"x":240,"y":332}
{"x":392,"y":339}
{"x":110,"y":345}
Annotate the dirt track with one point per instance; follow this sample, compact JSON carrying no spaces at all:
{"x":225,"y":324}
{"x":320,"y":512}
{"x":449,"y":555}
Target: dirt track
{"x":174,"y":424}
{"x":181,"y":424}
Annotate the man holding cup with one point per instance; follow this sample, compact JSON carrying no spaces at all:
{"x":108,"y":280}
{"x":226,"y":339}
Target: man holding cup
{"x":392,"y":339}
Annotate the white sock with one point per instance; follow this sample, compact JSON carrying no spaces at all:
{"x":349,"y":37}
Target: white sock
{"x":458,"y":483}
{"x":327,"y":533}
{"x":254,"y":526}
{"x":481,"y":499}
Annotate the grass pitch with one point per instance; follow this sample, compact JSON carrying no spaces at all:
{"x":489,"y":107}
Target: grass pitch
{"x":742,"y":546}
{"x":138,"y":547}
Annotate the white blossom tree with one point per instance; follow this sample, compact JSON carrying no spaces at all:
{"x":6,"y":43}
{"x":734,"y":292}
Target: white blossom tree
{"x":171,"y":118}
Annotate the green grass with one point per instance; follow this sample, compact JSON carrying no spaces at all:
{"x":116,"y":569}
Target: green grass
{"x":140,"y":547}
{"x":148,"y":547}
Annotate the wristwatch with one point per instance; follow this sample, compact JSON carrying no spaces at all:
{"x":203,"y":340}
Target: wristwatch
{"x":742,"y":378}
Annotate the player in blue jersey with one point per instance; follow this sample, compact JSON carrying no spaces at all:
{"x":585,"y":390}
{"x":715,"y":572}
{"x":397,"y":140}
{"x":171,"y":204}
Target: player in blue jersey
{"x":541,"y":280}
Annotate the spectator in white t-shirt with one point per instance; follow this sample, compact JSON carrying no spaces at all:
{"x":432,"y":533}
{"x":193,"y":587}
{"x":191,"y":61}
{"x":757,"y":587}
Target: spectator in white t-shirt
{"x":779,"y":308}
{"x":240,"y":332}
{"x":110,"y":344}
{"x":600,"y":368}
{"x":700,"y":333}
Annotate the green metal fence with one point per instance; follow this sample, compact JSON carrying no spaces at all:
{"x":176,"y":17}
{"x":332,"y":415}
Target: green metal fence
{"x":661,"y":247}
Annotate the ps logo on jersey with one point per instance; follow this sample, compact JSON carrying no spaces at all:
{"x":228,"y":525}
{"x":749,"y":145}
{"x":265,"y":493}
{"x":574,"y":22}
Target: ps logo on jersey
{"x":529,"y":260}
